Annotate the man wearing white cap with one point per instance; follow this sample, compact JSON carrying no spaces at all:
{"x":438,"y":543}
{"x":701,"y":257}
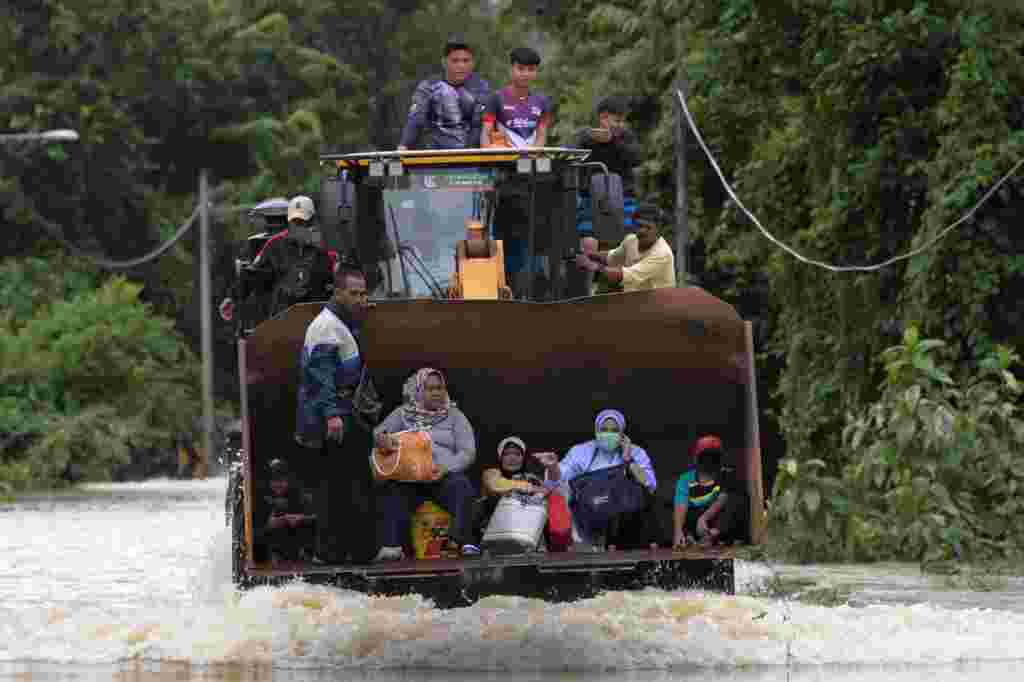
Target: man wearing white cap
{"x":302,"y":269}
{"x":294,"y":263}
{"x":301,"y":211}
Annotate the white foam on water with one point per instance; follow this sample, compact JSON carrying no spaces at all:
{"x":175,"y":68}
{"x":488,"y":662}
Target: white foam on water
{"x":169,"y":567}
{"x":211,"y":581}
{"x":302,"y":626}
{"x":751,"y":577}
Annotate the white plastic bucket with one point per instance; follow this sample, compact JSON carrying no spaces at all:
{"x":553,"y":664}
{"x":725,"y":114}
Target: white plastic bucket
{"x":517,"y":524}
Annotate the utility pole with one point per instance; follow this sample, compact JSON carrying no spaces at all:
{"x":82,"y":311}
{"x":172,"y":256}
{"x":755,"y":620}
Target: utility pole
{"x":206,"y":314}
{"x":681,"y":246}
{"x":682,"y":236}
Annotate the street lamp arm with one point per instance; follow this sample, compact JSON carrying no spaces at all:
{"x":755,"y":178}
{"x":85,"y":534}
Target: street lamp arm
{"x":58,"y":135}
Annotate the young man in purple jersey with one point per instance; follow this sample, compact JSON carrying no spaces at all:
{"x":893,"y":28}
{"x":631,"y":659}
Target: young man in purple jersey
{"x":516,"y":117}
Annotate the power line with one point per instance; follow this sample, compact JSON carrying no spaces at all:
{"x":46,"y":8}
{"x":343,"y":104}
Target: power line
{"x":828,"y":266}
{"x":54,"y":230}
{"x":57,"y":233}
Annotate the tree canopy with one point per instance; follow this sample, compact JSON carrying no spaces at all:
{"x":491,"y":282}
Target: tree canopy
{"x":856,"y":130}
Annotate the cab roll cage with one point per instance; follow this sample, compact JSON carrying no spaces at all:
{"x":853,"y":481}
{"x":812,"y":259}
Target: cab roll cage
{"x":348,"y":227}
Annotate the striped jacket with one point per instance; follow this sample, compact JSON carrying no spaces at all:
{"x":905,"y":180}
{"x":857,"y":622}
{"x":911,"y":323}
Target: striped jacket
{"x":330,"y":368}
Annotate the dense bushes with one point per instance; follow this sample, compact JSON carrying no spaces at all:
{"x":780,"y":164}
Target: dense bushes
{"x":932,"y":470}
{"x":87,"y":373}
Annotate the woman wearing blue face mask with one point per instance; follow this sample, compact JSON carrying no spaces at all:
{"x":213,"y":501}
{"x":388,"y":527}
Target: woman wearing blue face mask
{"x":609,"y":449}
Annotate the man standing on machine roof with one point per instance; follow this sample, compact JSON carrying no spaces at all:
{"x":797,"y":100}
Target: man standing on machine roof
{"x":516,"y":117}
{"x":448,"y":110}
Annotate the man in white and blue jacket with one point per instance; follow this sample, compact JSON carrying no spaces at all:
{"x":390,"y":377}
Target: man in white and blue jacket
{"x":331,"y":423}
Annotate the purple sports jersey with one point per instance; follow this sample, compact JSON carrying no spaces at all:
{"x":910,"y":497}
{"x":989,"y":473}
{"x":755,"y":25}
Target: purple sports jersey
{"x":518,"y":118}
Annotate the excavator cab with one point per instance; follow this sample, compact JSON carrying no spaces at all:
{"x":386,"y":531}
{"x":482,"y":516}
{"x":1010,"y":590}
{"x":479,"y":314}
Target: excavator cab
{"x":424,"y":222}
{"x":467,"y":255}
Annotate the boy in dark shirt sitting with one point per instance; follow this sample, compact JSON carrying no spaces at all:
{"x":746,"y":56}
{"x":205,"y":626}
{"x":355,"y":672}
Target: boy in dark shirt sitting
{"x":288,"y":529}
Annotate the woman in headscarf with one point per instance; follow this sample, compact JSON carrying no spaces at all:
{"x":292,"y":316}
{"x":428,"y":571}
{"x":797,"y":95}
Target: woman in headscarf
{"x":428,"y":407}
{"x":609,"y":448}
{"x":511,"y":475}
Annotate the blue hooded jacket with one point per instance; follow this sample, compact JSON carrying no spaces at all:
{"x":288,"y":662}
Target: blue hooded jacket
{"x":330,"y":369}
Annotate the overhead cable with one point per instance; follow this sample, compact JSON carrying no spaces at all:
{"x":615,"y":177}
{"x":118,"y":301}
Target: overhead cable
{"x":828,"y":266}
{"x":57,"y":233}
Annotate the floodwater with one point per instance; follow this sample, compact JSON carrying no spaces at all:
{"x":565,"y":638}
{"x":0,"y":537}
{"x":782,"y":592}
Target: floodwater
{"x":131,"y":582}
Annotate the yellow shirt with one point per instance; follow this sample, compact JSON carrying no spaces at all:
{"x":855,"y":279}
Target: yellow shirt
{"x":651,"y":269}
{"x":496,"y":484}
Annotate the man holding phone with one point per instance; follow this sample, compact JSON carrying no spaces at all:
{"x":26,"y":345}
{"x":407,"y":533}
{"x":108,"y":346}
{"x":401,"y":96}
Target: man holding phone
{"x":611,"y":142}
{"x":618,"y":148}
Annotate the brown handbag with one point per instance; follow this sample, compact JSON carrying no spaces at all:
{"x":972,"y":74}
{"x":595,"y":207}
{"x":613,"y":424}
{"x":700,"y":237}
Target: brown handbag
{"x":412,"y":462}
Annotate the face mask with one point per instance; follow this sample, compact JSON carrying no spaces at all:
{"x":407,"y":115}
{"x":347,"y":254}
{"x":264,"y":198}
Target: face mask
{"x":608,"y":441}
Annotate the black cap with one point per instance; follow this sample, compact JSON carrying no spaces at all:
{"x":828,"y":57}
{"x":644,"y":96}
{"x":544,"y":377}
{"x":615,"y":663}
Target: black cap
{"x":613,"y":104}
{"x":456,"y":42}
{"x":649,"y":212}
{"x":527,"y":56}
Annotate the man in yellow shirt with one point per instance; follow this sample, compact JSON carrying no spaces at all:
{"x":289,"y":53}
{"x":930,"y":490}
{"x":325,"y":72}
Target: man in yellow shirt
{"x":643,"y":260}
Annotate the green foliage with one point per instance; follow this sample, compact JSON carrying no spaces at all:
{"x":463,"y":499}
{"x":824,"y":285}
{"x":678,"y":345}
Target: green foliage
{"x":89,"y":378}
{"x":931,"y":470}
{"x":27,"y":285}
{"x":855,"y":131}
{"x":252,"y":90}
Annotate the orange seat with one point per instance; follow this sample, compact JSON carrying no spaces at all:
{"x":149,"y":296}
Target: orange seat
{"x":480,"y":270}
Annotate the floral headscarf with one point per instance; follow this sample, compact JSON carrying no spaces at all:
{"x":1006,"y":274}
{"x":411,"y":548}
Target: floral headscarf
{"x":414,"y":411}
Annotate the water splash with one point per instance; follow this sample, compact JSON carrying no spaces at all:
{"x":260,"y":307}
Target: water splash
{"x":178,"y":608}
{"x":304,"y":626}
{"x":211,"y":582}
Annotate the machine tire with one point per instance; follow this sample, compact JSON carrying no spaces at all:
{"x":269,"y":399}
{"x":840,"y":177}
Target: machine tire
{"x":236,"y":521}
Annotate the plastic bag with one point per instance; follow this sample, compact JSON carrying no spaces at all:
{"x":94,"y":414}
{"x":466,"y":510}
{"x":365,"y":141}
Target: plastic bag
{"x":412,"y":462}
{"x":559,"y":523}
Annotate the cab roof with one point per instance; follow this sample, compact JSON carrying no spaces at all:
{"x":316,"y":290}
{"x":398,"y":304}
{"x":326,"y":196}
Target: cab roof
{"x":452,"y":157}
